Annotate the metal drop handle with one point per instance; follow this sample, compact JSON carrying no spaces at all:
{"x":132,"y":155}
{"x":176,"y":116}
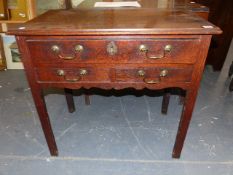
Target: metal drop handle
{"x":143,"y":48}
{"x":142,"y":73}
{"x":57,"y":50}
{"x":82,"y":72}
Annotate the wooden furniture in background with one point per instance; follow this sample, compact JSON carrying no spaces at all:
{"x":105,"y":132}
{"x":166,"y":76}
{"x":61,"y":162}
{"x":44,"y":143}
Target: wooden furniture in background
{"x":18,"y":10}
{"x":2,"y":56}
{"x":13,"y":17}
{"x":23,"y":13}
{"x":221,"y":14}
{"x":68,"y":4}
{"x":110,"y":48}
{"x":3,"y":10}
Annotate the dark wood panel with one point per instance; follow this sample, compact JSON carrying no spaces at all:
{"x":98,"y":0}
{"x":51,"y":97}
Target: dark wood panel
{"x":221,"y":14}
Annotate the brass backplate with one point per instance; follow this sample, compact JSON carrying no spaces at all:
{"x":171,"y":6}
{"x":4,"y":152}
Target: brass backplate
{"x":112,"y":48}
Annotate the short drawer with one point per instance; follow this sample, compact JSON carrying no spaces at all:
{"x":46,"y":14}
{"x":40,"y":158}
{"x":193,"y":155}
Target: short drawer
{"x":73,"y":75}
{"x":161,"y":50}
{"x":154,"y":75}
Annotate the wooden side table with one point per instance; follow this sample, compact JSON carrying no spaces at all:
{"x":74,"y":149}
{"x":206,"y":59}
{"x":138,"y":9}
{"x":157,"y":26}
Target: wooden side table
{"x":105,"y":48}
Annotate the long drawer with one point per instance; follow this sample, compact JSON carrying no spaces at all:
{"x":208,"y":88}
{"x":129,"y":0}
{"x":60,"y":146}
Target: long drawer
{"x":160,"y":50}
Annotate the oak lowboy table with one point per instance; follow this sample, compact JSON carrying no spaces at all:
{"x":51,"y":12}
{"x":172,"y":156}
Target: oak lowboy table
{"x":139,"y":48}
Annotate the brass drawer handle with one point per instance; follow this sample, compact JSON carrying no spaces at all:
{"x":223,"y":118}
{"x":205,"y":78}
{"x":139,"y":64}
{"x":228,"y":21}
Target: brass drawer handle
{"x":151,"y":81}
{"x":60,"y":72}
{"x":57,"y":50}
{"x":163,"y":73}
{"x":82,"y":72}
{"x":78,"y":48}
{"x":72,"y":79}
{"x":23,"y":15}
{"x":143,"y":48}
{"x":66,"y":57}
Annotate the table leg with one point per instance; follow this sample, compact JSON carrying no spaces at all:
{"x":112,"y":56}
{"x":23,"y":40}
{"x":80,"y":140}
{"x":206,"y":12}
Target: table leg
{"x":230,"y":73}
{"x":231,"y":85}
{"x":184,"y":122}
{"x":87,"y":99}
{"x":44,"y":119}
{"x":165,"y":103}
{"x":69,"y":100}
{"x":181,"y":99}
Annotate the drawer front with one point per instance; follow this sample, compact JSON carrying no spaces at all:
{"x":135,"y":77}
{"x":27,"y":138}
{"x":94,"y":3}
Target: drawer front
{"x":154,"y":75}
{"x":20,"y":12}
{"x":114,"y":51}
{"x":3,"y":10}
{"x":119,"y":74}
{"x":73,"y":75}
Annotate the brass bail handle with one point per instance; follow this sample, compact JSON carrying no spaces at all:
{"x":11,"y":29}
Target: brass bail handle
{"x":163,"y":73}
{"x":57,"y":50}
{"x":82,"y":72}
{"x":143,"y":48}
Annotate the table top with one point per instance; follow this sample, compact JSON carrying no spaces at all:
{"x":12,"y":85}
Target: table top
{"x":174,"y":17}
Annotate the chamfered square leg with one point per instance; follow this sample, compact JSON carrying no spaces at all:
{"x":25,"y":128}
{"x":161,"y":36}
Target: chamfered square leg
{"x":184,"y":122}
{"x":44,"y":120}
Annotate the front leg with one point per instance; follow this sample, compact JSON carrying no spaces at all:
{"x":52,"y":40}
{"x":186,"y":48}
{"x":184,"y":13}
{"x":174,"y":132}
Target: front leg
{"x":38,"y":96}
{"x":184,"y":122}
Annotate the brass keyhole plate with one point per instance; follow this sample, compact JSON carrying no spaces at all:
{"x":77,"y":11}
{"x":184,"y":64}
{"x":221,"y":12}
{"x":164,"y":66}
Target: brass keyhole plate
{"x":112,"y":48}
